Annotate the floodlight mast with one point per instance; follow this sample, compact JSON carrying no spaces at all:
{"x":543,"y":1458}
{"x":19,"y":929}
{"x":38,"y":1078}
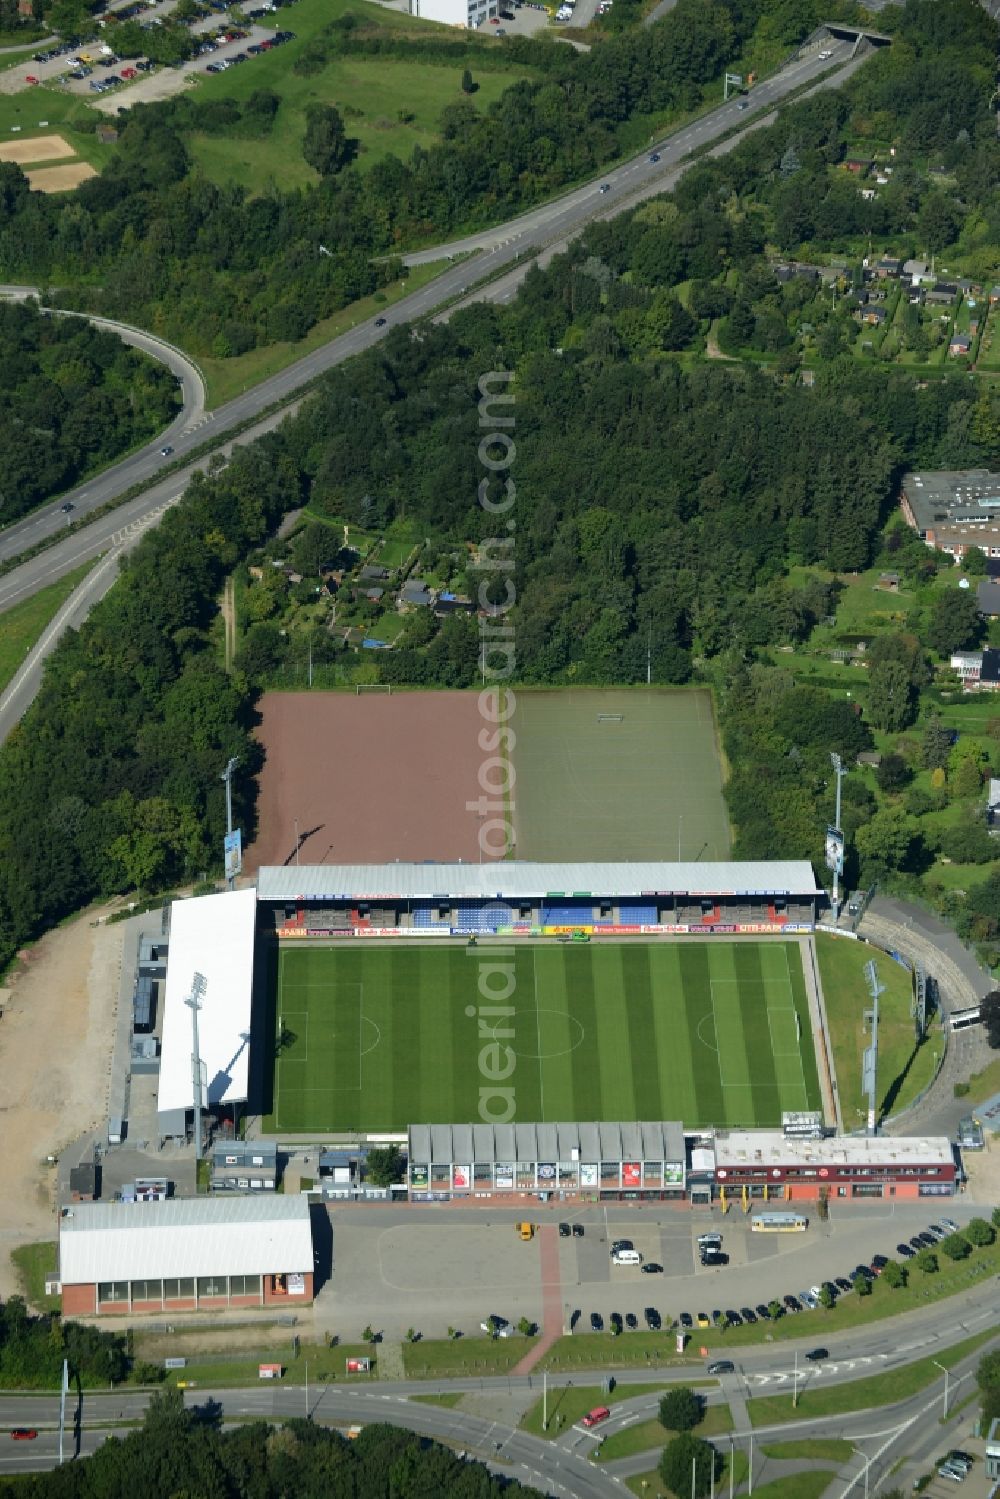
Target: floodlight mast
{"x":838,"y":770}
{"x":227,"y":776}
{"x":869,"y":1069}
{"x":199,"y":987}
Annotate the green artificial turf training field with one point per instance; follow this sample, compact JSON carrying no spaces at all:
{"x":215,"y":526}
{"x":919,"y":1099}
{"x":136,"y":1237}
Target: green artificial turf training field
{"x":618,"y":774}
{"x":378,"y":1036}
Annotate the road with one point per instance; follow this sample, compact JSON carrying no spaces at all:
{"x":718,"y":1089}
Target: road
{"x":563,"y":1466}
{"x":628,"y":183}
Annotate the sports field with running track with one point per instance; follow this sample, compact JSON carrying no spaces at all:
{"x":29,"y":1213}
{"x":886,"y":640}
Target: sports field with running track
{"x":382,"y":1035}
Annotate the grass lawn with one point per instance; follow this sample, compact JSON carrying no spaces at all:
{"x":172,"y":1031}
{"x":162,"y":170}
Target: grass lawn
{"x":62,"y":112}
{"x":646,"y":1435}
{"x":983,"y":1085}
{"x":816,"y":1399}
{"x":377,"y":1037}
{"x":445,"y":1357}
{"x":903,"y":1069}
{"x":226,"y":378}
{"x":326,"y":1366}
{"x":833,"y":1449}
{"x":21,"y":625}
{"x":796,"y":1486}
{"x":33,"y":1262}
{"x":567,"y":1403}
{"x":370,"y":92}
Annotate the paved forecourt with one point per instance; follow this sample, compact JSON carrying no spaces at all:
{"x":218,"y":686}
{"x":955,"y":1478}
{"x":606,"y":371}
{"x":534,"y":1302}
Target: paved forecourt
{"x":376,"y":1036}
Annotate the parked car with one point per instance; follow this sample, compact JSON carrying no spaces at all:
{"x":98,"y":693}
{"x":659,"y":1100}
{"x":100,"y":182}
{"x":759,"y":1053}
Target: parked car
{"x":617,"y":1245}
{"x":213,"y":67}
{"x":879,"y":1262}
{"x":950,"y":1225}
{"x":791,"y":1303}
{"x":843,"y":1285}
{"x":708,"y":1240}
{"x":748,"y":1314}
{"x":808,"y":1299}
{"x":31,"y":78}
{"x":734,"y":1319}
{"x":650,"y":1267}
{"x":652,"y":1318}
{"x":631,"y":1321}
{"x":927,"y":1240}
{"x":596,"y":1322}
{"x":904,"y":1251}
{"x":763,"y":1312}
{"x":129,"y":73}
{"x":615,"y":1321}
{"x":564,"y":1230}
{"x":685,"y":1319}
{"x":578,"y":1230}
{"x":704,"y":1320}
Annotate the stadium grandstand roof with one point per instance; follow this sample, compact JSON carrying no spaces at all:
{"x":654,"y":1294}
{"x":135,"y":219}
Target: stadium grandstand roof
{"x":443,"y":1144}
{"x":104,"y":1241}
{"x":520,"y":880}
{"x":212,"y":935}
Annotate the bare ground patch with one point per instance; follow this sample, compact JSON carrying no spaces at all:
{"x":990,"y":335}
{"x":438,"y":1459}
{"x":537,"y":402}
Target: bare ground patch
{"x":37,"y":148}
{"x":55,"y":1057}
{"x":60,"y":179}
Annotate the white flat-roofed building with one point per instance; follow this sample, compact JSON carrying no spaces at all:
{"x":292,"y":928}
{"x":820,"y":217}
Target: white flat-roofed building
{"x":185,"y":1254}
{"x":211,"y":935}
{"x":768,"y":1163}
{"x":468,"y":13}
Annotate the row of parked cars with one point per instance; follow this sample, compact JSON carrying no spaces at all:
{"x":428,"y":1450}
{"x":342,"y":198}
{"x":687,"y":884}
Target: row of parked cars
{"x":710,"y":1248}
{"x":957,"y":1466}
{"x":617,"y":1323}
{"x":278,"y":40}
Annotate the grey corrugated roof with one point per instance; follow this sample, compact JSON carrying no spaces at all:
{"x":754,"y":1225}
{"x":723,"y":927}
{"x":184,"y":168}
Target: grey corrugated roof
{"x":441,"y":1152}
{"x":548,"y":1144}
{"x":504,"y":1142}
{"x":631,"y":1142}
{"x":420,"y":1143}
{"x":442,"y":1144}
{"x":461,"y":1143}
{"x":183,"y":1237}
{"x":526,"y":1140}
{"x":590,"y":1142}
{"x":519,"y":879}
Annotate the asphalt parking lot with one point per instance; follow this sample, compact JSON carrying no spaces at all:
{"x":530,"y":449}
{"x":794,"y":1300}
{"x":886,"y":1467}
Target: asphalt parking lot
{"x":435,"y":1268}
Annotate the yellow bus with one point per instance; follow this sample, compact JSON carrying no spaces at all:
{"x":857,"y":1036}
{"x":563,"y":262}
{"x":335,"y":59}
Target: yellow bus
{"x":778,"y":1223}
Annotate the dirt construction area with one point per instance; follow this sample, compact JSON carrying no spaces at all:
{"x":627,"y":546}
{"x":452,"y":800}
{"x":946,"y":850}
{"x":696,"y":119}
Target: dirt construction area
{"x":368,"y":779}
{"x":38,"y":148}
{"x":55,"y":1057}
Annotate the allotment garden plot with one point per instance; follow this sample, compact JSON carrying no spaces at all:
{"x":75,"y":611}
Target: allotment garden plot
{"x":379,"y":1036}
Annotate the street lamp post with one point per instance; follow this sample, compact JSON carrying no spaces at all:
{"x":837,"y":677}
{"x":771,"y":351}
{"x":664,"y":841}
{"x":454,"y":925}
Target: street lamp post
{"x":944,"y":1371}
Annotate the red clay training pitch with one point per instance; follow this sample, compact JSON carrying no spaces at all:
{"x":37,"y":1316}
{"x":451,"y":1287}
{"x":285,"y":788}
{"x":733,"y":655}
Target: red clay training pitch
{"x":368,"y":779}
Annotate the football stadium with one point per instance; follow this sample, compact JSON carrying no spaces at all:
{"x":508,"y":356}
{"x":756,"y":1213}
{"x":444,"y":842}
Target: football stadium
{"x":389,"y":989}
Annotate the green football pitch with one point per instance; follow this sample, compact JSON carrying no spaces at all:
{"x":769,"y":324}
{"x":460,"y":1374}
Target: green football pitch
{"x":377,"y":1037}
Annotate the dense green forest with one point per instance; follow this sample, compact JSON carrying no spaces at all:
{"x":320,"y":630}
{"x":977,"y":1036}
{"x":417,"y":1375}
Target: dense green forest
{"x":32,"y":1350}
{"x":72,"y":398}
{"x":178,"y":1451}
{"x":220,"y":271}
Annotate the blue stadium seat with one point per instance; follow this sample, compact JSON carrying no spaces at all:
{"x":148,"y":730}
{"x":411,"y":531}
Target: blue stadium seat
{"x":638,"y":915}
{"x":567,"y":916}
{"x":484,"y":916}
{"x":424,"y":916}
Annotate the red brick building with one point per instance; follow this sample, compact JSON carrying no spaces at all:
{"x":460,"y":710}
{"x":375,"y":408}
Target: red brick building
{"x":185,"y":1255}
{"x":766,"y":1164}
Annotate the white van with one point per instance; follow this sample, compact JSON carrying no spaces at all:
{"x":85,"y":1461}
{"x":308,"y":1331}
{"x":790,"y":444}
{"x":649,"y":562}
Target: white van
{"x":627,"y":1257}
